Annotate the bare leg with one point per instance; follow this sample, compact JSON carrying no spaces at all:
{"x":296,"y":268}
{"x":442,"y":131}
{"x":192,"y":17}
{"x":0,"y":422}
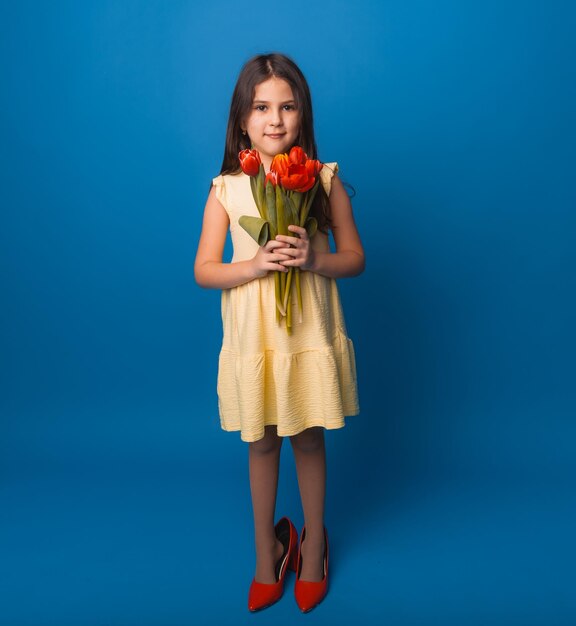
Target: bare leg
{"x":310,"y":458}
{"x":264,"y":460}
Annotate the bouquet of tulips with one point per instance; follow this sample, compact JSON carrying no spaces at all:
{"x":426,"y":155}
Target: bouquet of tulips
{"x":283,"y":197}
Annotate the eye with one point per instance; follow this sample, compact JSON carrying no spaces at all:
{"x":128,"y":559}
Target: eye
{"x":260,"y":107}
{"x":289,"y":107}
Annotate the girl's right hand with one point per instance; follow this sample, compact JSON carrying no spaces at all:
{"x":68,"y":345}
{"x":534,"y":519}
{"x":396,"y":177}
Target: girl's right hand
{"x":267,"y":260}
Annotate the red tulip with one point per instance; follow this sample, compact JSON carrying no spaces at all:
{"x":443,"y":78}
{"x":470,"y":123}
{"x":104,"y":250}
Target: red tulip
{"x":250,"y":162}
{"x":280,"y":164}
{"x":297,"y":179}
{"x":313,"y":167}
{"x":271,"y":177}
{"x":298,"y":156}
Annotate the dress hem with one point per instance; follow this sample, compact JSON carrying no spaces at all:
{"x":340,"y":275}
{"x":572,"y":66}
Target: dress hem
{"x":289,"y":433}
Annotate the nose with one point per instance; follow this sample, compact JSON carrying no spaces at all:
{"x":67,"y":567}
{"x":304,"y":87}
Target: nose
{"x":275,"y":117}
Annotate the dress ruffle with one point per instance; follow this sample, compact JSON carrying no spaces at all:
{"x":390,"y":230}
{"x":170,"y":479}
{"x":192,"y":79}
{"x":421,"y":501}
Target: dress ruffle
{"x":292,"y":391}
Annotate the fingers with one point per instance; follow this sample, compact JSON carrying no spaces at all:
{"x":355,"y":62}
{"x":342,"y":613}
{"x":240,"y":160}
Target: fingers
{"x":293,"y":246}
{"x":296,"y":255}
{"x":272,"y":259}
{"x":289,"y":242}
{"x":299,"y":230}
{"x":274,"y":250}
{"x":291,"y":253}
{"x":270,"y":245}
{"x":277,"y":267}
{"x":297,"y":242}
{"x":294,"y":241}
{"x":294,"y":261}
{"x":286,"y":251}
{"x":277,"y":257}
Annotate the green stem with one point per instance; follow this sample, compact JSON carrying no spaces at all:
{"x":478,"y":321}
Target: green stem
{"x":288,"y":287}
{"x":278,"y":293}
{"x":289,"y":315}
{"x":298,"y":290}
{"x":282,"y":287}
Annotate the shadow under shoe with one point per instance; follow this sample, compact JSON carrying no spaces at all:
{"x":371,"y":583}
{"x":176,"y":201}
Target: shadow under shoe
{"x":262,"y":595}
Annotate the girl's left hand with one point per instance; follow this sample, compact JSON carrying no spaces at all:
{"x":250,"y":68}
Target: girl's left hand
{"x":298,"y":248}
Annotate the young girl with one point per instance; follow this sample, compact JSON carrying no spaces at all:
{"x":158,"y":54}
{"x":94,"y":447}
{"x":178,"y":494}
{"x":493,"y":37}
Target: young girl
{"x":272,"y":384}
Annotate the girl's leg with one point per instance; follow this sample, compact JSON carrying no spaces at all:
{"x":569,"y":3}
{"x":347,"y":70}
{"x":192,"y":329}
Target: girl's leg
{"x":264,"y":460}
{"x":310,"y":458}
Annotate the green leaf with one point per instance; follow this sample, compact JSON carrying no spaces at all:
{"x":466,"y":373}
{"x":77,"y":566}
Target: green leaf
{"x":291,"y":211}
{"x":257,"y":194}
{"x":256,"y":227}
{"x":297,"y":198}
{"x":260,"y":189}
{"x":308,"y":203}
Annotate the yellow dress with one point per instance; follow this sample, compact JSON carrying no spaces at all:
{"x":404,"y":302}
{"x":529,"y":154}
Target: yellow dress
{"x":265,"y":376}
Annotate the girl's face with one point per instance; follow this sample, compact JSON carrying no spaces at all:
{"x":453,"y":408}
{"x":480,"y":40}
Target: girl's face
{"x":274,"y":121}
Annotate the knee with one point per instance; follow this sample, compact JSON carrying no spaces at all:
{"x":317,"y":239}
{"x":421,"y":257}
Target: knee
{"x":308,"y":441}
{"x":269,"y":444}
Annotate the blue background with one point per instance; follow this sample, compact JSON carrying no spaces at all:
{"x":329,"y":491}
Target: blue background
{"x":451,"y":497}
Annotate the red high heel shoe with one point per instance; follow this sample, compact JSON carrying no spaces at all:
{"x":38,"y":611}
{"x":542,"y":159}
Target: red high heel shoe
{"x":307,"y":593}
{"x":262,"y":595}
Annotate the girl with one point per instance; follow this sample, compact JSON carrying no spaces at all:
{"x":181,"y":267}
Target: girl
{"x":271,"y":384}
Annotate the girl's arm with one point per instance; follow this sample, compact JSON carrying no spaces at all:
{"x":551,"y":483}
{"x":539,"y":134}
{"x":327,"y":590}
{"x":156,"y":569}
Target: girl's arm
{"x":209,"y":271}
{"x":348,"y":260}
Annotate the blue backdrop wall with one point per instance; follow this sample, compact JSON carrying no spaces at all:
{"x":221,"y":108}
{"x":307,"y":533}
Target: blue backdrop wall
{"x":453,"y":121}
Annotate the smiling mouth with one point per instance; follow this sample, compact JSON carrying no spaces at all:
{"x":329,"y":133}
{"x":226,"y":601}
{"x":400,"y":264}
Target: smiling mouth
{"x":276,"y":135}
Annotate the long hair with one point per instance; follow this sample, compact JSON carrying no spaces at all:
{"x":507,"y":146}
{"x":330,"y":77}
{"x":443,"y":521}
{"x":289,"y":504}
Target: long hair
{"x":255,"y":71}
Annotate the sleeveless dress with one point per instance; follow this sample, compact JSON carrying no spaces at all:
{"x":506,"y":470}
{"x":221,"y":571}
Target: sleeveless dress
{"x":265,"y":376}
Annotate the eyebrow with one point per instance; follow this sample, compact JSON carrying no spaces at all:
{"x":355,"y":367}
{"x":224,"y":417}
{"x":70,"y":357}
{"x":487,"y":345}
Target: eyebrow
{"x":267,"y":102}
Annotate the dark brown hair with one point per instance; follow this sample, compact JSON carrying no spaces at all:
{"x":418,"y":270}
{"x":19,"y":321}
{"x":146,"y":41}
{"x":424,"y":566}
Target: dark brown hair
{"x":255,"y":71}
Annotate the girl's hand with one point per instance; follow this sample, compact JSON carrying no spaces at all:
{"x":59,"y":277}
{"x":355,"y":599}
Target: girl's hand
{"x":299,"y":251}
{"x":268,"y":258}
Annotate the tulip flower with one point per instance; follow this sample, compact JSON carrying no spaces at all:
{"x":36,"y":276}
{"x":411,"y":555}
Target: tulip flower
{"x":297,"y":156}
{"x":250,"y":162}
{"x":297,"y":179}
{"x":271,"y":177}
{"x":313,"y":167}
{"x":280,"y":164}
